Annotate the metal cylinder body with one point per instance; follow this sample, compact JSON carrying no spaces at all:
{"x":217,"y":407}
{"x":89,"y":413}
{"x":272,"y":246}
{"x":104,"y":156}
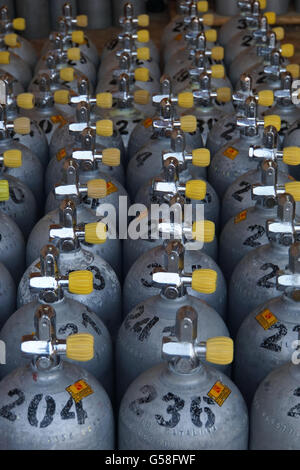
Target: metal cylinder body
{"x":37,"y":15}
{"x":98,"y":12}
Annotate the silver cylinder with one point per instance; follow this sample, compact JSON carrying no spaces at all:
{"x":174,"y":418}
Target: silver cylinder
{"x":227,"y":7}
{"x":98,"y":12}
{"x":280,"y":7}
{"x":37,"y":15}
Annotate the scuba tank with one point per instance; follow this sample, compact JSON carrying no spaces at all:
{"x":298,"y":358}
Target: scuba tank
{"x":72,"y":317}
{"x":98,"y":12}
{"x":230,"y":8}
{"x":280,"y":7}
{"x":265,"y":338}
{"x":138,"y":287}
{"x":155,"y":227}
{"x":168,"y":106}
{"x":130,"y":24}
{"x":105,"y":300}
{"x":16,"y":43}
{"x":81,"y":194}
{"x":252,"y":281}
{"x":246,"y":230}
{"x":176,"y":171}
{"x":225,"y":129}
{"x":60,"y":385}
{"x":37,"y":16}
{"x":232,"y":160}
{"x":7,"y":293}
{"x":157,"y":315}
{"x":16,"y":199}
{"x":31,"y":171}
{"x":202,"y":394}
{"x":238,"y":196}
{"x":12,"y":247}
{"x":15,"y":66}
{"x":255,"y":59}
{"x":68,"y":9}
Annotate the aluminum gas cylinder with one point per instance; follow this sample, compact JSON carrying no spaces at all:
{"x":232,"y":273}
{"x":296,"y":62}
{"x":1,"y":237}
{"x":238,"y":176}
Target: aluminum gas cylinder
{"x":15,"y":66}
{"x":238,"y":196}
{"x":247,"y":230}
{"x":280,"y":7}
{"x":158,"y":314}
{"x":227,"y":9}
{"x":12,"y":247}
{"x":98,"y":12}
{"x":232,"y":160}
{"x":138,"y":282}
{"x":59,"y":385}
{"x":105,"y":300}
{"x":267,"y":336}
{"x":72,"y":317}
{"x":37,"y":16}
{"x":7,"y":293}
{"x":195,"y":387}
{"x":253,"y":280}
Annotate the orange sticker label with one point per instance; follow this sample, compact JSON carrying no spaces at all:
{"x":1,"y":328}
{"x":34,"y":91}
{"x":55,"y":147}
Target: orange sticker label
{"x":79,"y":390}
{"x":219,"y":393}
{"x":240,"y":217}
{"x":58,"y":119}
{"x":111,"y":188}
{"x":178,"y":37}
{"x":291,"y":178}
{"x":266,"y":319}
{"x":61,"y":154}
{"x":147,"y":123}
{"x":231,"y":153}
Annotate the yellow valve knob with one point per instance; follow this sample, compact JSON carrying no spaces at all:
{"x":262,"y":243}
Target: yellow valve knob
{"x":141,"y":74}
{"x":61,"y":96}
{"x":263,"y":4}
{"x":143,"y":53}
{"x":73,"y":53}
{"x":219,"y":350}
{"x":195,"y":189}
{"x":208,"y":19}
{"x":294,"y":70}
{"x":22,"y":125}
{"x":19,"y":24}
{"x":4,"y":57}
{"x":26,"y":100}
{"x":202,"y":6}
{"x":265,"y":98}
{"x":291,"y":156}
{"x":111,"y":157}
{"x":287,"y":50}
{"x":186,"y":100}
{"x":141,"y":97}
{"x":279,"y":33}
{"x":82,"y":21}
{"x":81,"y":282}
{"x":80,"y":347}
{"x":104,"y":128}
{"x":188,"y":123}
{"x":204,"y":231}
{"x":204,"y":281}
{"x":217,"y":71}
{"x":104,"y":100}
{"x":217,"y":53}
{"x":293,"y":188}
{"x":273,"y":120}
{"x":12,"y":158}
{"x":143,"y":35}
{"x":96,"y":189}
{"x":143,"y":21}
{"x":224,"y":94}
{"x":67,"y":74}
{"x":4,"y":191}
{"x":11,"y":40}
{"x":78,"y":37}
{"x":96,"y":233}
{"x":201,"y":157}
{"x":211,"y":35}
{"x":271,"y":17}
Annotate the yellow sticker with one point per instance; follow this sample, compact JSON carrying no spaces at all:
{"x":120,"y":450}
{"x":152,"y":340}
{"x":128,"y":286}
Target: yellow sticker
{"x":61,"y":154}
{"x":219,"y":393}
{"x":38,"y":266}
{"x":147,"y":123}
{"x":58,"y":119}
{"x":79,"y":390}
{"x":240,"y":217}
{"x":231,"y":153}
{"x":291,"y":178}
{"x":111,"y":188}
{"x":266,"y":319}
{"x":178,"y":37}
